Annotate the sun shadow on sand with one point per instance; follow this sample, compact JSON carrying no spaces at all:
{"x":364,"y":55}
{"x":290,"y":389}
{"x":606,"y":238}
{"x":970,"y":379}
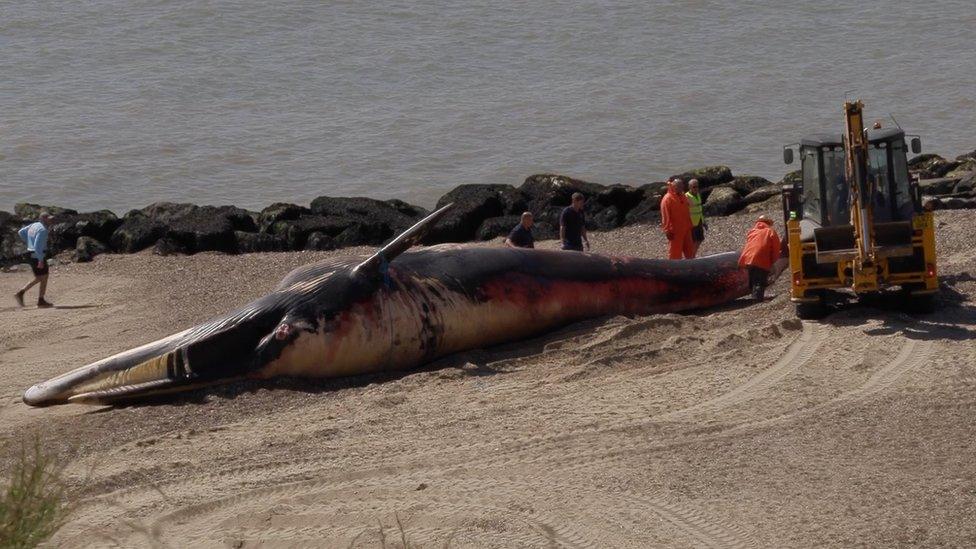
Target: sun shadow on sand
{"x":59,"y":307}
{"x":949,"y":320}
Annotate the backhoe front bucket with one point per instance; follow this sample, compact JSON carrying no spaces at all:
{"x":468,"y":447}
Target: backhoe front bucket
{"x":835,"y":244}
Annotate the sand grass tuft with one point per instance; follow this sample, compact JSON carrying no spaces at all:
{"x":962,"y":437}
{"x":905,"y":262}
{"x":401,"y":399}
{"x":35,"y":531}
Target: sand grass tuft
{"x":32,"y":501}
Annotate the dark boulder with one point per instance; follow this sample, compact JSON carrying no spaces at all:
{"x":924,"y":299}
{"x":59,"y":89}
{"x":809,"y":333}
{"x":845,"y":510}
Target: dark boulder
{"x":12,"y":246}
{"x":648,"y":210}
{"x":364,"y":233}
{"x":762,"y":194}
{"x":280,"y":211}
{"x":66,"y":229}
{"x":98,"y":225}
{"x":409,"y":210}
{"x":792,"y":178}
{"x":201,"y":228}
{"x":966,"y":184}
{"x":259,"y":242}
{"x":605,"y":207}
{"x":966,"y":156}
{"x":605,"y":219}
{"x":501,"y":226}
{"x":964,"y":168}
{"x":544,"y":230}
{"x":745,"y":184}
{"x":30,"y":212}
{"x":296,"y":232}
{"x":9,"y":220}
{"x":493,"y":227}
{"x":473,"y":204}
{"x":622,"y":197}
{"x":770,"y":203}
{"x":931,"y":166}
{"x":708,"y":176}
{"x":723,"y":201}
{"x":942,"y":185}
{"x":366,"y":211}
{"x":320,"y":241}
{"x":957,"y":203}
{"x":137,"y":232}
{"x":87,"y":248}
{"x":550,"y":192}
{"x":169,"y":246}
{"x":67,"y":224}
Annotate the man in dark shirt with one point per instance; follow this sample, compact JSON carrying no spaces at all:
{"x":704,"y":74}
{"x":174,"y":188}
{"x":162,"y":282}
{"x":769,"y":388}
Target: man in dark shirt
{"x":572,"y":226}
{"x":521,"y":235}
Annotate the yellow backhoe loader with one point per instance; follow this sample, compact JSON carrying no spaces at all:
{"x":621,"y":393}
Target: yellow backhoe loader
{"x":856,"y":221}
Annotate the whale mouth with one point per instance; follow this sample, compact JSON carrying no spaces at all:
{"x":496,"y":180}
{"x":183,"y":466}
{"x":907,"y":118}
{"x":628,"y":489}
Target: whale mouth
{"x":220,"y":350}
{"x":112,"y":379}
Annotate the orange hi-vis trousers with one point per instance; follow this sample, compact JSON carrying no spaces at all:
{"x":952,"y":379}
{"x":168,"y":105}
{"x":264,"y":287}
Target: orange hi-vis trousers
{"x":681,"y":244}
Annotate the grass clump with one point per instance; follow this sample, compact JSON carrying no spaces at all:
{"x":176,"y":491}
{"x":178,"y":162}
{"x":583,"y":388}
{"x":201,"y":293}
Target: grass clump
{"x":32,"y":500}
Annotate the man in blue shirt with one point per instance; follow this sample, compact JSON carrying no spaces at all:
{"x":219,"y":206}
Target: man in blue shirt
{"x":572,"y":225}
{"x":521,"y":235}
{"x":35,"y":236}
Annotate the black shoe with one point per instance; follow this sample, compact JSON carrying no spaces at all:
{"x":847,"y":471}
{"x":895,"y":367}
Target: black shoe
{"x":19,"y":296}
{"x":41,"y":304}
{"x":757,"y":292}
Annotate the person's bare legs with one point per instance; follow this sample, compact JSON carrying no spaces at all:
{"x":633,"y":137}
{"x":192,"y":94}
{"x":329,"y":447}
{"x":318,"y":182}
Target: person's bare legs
{"x":43,"y":288}
{"x":19,"y":296}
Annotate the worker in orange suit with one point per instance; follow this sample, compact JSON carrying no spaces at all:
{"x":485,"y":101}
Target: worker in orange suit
{"x":761,"y":251}
{"x":676,"y":221}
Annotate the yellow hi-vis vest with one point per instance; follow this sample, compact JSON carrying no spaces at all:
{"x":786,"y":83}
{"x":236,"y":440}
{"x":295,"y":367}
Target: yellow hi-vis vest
{"x":695,"y":207}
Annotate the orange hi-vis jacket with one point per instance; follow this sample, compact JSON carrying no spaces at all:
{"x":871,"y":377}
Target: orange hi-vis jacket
{"x":675,"y":215}
{"x":762,"y":247}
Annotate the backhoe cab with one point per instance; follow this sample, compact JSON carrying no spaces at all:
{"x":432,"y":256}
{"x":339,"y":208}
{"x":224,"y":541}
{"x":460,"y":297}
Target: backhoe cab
{"x":856,"y":221}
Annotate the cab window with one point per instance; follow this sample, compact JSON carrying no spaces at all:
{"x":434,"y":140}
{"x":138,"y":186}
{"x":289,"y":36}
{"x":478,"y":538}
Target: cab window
{"x":878,"y":175}
{"x":904,"y":205}
{"x":838,"y":191}
{"x":811,"y":184}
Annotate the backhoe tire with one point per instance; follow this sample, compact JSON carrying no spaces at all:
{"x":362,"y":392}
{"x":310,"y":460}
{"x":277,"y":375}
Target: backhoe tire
{"x":810,"y":311}
{"x":920,"y":304}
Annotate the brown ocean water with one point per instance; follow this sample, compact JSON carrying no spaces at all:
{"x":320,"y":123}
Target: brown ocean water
{"x":112,"y":104}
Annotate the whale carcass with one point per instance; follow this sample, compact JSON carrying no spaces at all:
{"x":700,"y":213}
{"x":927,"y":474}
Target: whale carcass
{"x":399,"y":309}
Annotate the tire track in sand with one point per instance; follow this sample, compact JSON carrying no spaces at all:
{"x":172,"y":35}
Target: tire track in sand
{"x":912,"y":354}
{"x":798,"y":353}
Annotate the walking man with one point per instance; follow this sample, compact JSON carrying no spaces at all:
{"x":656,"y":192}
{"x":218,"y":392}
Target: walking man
{"x":572,"y":225}
{"x":698,"y":224}
{"x":676,"y":220}
{"x":521,"y":235}
{"x":760,"y":252}
{"x":35,"y":236}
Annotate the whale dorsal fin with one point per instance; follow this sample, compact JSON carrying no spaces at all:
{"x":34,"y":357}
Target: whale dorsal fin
{"x":402,"y":243}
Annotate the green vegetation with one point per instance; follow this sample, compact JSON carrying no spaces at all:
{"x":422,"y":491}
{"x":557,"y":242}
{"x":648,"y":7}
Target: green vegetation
{"x":32,"y":501}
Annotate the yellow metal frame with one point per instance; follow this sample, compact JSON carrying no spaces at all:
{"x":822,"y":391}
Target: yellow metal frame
{"x":858,"y":282}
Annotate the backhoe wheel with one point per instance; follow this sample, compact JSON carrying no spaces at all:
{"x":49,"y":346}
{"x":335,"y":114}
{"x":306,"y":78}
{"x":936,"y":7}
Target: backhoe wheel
{"x":920,"y":304}
{"x":812,"y":310}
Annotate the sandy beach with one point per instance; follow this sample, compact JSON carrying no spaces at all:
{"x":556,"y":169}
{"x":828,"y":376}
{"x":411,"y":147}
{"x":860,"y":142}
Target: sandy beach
{"x":735,"y":427}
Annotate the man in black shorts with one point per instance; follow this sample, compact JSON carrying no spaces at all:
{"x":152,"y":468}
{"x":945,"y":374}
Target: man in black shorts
{"x":572,"y":226}
{"x":35,"y":237}
{"x":521,"y":235}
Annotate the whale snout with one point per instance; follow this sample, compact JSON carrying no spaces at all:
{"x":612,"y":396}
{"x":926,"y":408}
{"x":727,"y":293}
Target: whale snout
{"x":42,"y":395}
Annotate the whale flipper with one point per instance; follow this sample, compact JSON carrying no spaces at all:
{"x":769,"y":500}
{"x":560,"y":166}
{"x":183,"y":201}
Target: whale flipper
{"x":410,"y":237}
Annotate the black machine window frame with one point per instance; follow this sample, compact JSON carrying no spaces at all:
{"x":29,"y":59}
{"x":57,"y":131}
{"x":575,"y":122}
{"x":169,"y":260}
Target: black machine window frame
{"x":821,"y":179}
